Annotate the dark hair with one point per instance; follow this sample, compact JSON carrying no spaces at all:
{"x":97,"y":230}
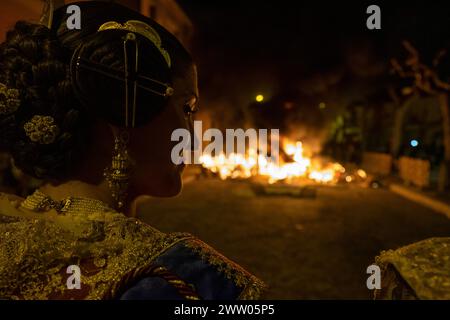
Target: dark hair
{"x":36,"y":60}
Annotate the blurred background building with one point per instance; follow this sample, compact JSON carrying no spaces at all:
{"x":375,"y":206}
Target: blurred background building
{"x":166,"y":12}
{"x":171,"y":16}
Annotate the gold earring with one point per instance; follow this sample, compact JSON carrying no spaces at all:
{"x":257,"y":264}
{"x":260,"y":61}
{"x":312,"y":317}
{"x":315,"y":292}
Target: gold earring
{"x":119,"y":174}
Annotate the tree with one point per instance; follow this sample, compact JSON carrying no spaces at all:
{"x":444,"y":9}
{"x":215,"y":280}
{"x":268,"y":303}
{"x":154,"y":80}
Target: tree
{"x":432,"y":79}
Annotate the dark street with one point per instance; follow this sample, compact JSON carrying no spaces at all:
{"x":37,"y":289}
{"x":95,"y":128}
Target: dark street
{"x":312,"y":248}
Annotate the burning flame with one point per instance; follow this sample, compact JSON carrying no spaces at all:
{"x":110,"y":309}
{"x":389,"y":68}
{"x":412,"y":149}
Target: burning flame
{"x":242,"y":166}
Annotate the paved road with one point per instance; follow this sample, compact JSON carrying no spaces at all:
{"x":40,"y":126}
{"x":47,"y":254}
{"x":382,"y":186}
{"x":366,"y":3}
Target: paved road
{"x":303,"y":248}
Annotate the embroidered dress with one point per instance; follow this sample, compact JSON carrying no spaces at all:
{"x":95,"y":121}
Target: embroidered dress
{"x":417,"y":271}
{"x":119,"y":257}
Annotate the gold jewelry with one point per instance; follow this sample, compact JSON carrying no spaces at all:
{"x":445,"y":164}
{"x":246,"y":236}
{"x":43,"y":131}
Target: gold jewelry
{"x":46,"y":18}
{"x":141,"y":28}
{"x":41,"y":129}
{"x":9,"y":100}
{"x":119,"y":174}
{"x":40,"y":202}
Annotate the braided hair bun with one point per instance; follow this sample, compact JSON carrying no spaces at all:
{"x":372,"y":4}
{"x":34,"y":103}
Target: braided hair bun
{"x":35,"y":66}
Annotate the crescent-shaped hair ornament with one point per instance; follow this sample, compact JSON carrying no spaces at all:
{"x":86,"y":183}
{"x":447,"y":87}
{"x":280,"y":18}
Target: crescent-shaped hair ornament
{"x":141,"y":28}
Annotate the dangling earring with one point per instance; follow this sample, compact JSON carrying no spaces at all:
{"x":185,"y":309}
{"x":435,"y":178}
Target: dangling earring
{"x":119,"y":174}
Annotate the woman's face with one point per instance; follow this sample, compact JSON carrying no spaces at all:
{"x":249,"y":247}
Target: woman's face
{"x":150,"y":146}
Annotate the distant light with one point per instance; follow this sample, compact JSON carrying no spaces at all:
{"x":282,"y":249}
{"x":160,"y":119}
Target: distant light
{"x":259,"y":98}
{"x":322,"y":105}
{"x":375,"y":184}
{"x":361,"y":173}
{"x":414,"y":143}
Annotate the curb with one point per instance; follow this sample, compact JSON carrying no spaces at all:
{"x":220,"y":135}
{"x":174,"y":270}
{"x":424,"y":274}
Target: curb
{"x":426,"y":201}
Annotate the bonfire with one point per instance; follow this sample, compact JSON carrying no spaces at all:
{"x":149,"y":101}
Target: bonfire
{"x":294,"y":166}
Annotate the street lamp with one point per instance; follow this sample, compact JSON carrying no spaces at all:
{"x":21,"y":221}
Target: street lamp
{"x":259,"y":98}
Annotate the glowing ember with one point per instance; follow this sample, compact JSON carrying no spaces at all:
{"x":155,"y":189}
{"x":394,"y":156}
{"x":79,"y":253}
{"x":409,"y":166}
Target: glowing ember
{"x":239,"y":166}
{"x":361,"y":173}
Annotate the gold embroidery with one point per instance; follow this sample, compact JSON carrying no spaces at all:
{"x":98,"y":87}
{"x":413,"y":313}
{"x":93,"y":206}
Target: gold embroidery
{"x":141,"y":28}
{"x":253,"y":288}
{"x":110,"y":249}
{"x":37,"y":249}
{"x":39,"y":201}
{"x":424,"y":266}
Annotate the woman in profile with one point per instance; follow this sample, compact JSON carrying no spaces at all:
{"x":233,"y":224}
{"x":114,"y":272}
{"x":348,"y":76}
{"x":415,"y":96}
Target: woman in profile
{"x":90,"y":112}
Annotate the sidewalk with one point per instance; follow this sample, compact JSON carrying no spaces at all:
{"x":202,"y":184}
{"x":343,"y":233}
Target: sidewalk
{"x":433,"y":200}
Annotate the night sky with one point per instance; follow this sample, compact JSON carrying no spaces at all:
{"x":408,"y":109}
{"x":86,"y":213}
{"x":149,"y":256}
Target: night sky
{"x":306,"y":36}
{"x":305,"y":52}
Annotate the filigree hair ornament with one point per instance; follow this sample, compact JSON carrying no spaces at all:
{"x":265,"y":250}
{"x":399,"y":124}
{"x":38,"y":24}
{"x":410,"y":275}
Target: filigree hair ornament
{"x":119,"y":173}
{"x":79,"y":62}
{"x":9,"y":100}
{"x":41,"y":129}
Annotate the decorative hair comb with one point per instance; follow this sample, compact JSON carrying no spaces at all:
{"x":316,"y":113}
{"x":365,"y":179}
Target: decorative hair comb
{"x":141,"y":28}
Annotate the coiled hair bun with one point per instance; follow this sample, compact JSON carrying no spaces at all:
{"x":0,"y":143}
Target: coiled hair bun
{"x":31,"y":61}
{"x":36,"y":61}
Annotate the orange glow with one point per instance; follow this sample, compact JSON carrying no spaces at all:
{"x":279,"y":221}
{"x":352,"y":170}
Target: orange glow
{"x":240,"y":166}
